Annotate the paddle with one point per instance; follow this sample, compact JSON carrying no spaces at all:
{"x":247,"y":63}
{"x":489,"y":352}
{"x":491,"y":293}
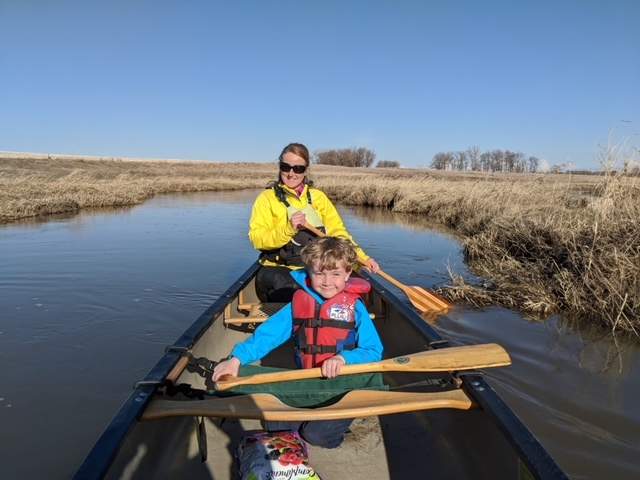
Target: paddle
{"x":439,"y":360}
{"x":264,"y":406}
{"x":420,"y":298}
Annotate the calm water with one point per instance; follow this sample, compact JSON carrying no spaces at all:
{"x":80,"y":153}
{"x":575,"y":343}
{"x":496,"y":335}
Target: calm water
{"x":88,"y":304}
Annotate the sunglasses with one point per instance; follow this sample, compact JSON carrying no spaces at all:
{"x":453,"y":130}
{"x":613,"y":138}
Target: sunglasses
{"x":285,"y":167}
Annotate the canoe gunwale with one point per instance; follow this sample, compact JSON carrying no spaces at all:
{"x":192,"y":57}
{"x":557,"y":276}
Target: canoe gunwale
{"x":540,"y":464}
{"x":531,"y":452}
{"x":104,"y":451}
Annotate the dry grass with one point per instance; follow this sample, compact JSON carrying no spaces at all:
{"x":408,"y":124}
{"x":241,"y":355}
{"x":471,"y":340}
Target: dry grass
{"x":545,"y":243}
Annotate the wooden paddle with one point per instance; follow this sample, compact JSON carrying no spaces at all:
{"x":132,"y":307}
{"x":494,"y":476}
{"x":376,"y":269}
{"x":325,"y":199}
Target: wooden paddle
{"x":264,"y":406}
{"x":439,"y":360}
{"x":419,"y":297}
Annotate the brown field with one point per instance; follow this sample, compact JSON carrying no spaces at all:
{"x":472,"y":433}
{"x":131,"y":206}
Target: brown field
{"x":546,"y":243}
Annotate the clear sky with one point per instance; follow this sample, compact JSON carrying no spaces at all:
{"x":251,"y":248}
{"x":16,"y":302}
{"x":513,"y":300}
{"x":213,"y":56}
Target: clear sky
{"x":237,"y":80}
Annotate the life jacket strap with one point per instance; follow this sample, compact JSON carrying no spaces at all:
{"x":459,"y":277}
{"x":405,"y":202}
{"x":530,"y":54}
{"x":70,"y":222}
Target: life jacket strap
{"x":282,"y":196}
{"x":320,"y":349}
{"x":319,"y":323}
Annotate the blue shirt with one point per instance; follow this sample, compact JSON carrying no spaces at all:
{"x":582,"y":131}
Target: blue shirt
{"x":279,"y":328}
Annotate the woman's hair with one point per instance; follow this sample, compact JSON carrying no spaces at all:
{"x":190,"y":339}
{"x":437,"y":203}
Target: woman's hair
{"x":297,"y":149}
{"x":329,"y":253}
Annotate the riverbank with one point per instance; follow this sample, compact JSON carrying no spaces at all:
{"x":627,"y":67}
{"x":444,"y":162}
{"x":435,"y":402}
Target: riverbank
{"x":546,"y":243}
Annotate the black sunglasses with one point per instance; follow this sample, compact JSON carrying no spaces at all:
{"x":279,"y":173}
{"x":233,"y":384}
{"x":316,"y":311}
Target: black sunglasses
{"x":285,"y":167}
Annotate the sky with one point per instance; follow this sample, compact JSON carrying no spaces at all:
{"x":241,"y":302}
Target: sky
{"x":238,"y":80}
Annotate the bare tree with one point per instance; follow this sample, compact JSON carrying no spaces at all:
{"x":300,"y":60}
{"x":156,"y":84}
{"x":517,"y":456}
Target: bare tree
{"x":346,"y":157}
{"x":473,"y":155}
{"x":492,"y":161}
{"x":388,"y":164}
{"x":442,"y":161}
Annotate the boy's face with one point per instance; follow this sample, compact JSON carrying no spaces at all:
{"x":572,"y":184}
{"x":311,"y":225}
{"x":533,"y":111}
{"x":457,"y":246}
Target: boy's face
{"x":329,"y":282}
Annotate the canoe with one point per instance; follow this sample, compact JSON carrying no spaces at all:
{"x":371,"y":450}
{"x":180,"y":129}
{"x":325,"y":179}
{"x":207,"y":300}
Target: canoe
{"x":440,"y":424}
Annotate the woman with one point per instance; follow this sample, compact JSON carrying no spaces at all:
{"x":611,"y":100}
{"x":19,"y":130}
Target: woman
{"x":277,"y":230}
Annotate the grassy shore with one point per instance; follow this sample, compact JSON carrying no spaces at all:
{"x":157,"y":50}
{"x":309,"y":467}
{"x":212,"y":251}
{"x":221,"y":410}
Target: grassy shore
{"x":546,"y":243}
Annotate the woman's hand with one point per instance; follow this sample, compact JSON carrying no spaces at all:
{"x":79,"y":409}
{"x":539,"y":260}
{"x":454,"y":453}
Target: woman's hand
{"x":298,"y":220}
{"x":372,"y":266}
{"x":228,"y":367}
{"x":332,"y":366}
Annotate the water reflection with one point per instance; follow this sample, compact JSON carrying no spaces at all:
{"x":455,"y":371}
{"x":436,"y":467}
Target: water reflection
{"x":417,"y":223}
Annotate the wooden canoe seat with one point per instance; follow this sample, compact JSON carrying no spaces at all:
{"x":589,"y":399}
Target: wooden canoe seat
{"x":253,"y":313}
{"x":264,"y":406}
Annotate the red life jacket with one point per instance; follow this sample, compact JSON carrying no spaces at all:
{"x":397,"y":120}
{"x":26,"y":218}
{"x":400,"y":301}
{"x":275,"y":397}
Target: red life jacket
{"x":322,"y":330}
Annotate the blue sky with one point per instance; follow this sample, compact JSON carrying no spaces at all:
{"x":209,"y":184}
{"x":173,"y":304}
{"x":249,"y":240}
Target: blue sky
{"x":236,"y":81}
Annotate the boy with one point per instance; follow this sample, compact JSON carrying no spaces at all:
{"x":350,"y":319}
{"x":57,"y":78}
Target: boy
{"x":343,"y":334}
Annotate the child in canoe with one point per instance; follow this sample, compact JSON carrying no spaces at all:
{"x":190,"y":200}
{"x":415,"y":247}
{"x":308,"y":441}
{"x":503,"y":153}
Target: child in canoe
{"x":329,"y":323}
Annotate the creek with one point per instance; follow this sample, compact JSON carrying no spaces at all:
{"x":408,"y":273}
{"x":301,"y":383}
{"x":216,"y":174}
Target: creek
{"x":90,"y":301}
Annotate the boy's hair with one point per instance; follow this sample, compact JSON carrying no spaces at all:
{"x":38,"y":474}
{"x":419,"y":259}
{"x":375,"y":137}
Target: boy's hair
{"x":329,"y":253}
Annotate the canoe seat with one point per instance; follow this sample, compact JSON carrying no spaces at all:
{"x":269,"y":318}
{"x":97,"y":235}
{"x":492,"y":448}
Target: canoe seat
{"x":253,"y":313}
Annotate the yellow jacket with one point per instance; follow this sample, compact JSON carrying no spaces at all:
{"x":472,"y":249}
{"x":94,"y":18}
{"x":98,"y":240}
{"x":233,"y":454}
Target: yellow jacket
{"x":269,"y":227}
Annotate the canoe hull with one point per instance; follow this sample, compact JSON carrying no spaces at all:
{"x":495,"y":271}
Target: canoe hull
{"x":487,"y":442}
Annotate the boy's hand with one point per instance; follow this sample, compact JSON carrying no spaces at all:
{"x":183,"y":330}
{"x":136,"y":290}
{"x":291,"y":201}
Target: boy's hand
{"x":228,"y":367}
{"x":332,"y":366}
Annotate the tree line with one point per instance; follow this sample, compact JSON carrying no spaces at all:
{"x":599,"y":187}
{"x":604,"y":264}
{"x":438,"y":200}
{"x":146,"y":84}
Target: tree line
{"x":351,"y":157}
{"x":471,"y":159}
{"x":474,"y":160}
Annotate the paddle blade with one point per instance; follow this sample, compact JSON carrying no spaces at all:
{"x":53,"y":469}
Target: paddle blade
{"x":468,"y":357}
{"x":424,"y":301}
{"x":435,"y":302}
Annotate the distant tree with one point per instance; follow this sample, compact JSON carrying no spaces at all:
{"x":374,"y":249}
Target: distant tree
{"x":388,"y":164}
{"x":460,"y":161}
{"x":485,"y":162}
{"x":442,"y":161}
{"x":473,"y":156}
{"x":561,"y":167}
{"x":492,"y":161}
{"x":346,"y":157}
{"x":496,"y":161}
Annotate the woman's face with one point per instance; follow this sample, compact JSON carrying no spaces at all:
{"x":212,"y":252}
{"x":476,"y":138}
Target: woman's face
{"x":292,"y":179}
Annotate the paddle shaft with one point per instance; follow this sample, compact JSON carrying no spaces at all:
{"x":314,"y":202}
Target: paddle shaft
{"x":440,"y":360}
{"x":319,"y":233}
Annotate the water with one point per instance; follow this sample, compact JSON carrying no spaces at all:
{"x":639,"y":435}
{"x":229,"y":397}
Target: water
{"x":89,"y":302}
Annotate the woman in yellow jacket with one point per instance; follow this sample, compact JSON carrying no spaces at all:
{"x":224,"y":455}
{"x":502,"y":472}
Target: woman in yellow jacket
{"x":276,"y":227}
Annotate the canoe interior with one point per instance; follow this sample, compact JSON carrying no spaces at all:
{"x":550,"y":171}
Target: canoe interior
{"x":436,"y":443}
